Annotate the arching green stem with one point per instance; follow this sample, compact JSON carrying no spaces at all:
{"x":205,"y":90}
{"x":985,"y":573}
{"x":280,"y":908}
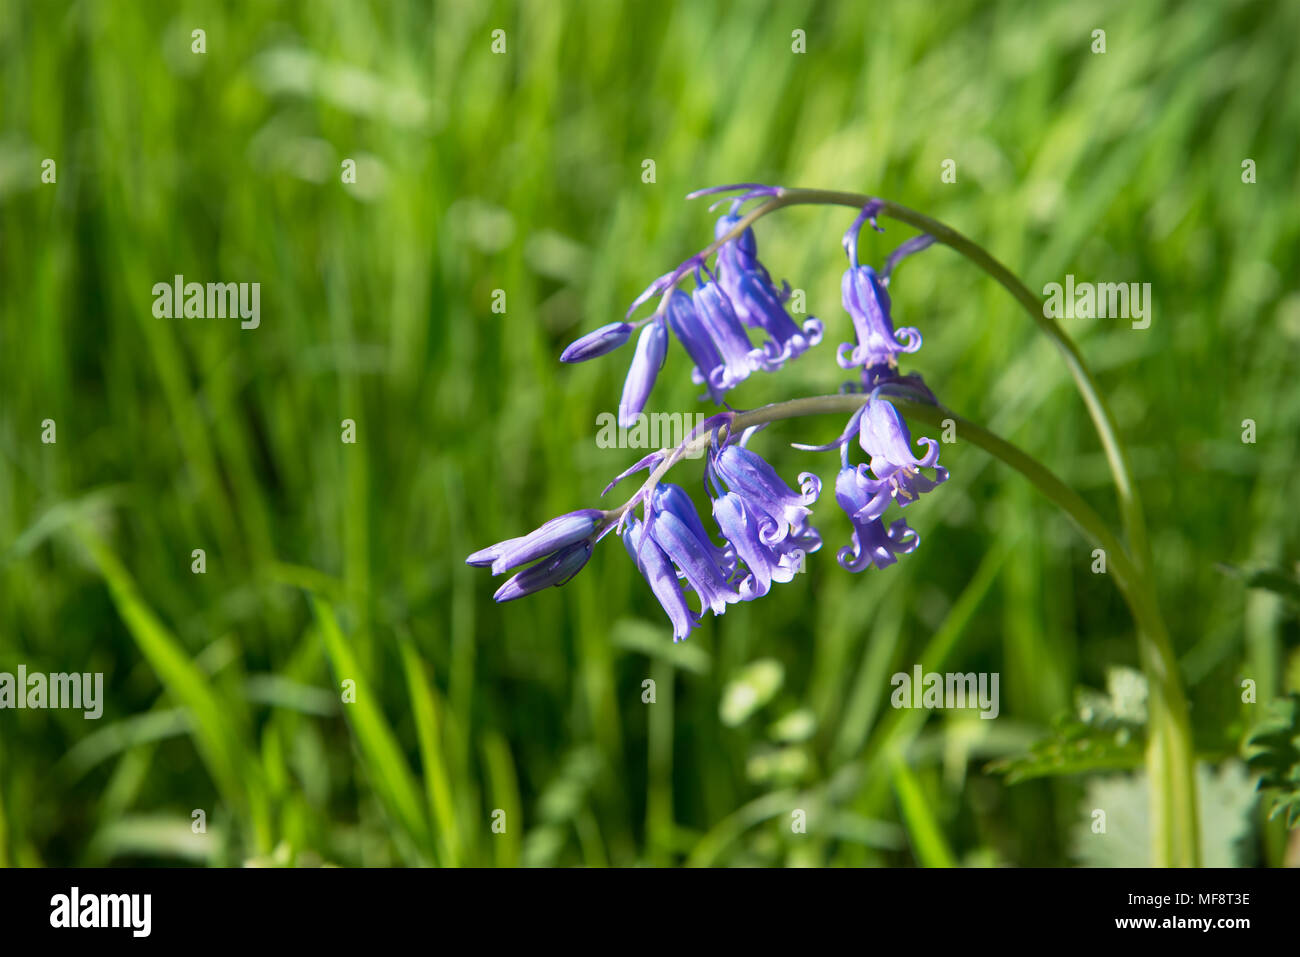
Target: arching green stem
{"x":1170,"y":761}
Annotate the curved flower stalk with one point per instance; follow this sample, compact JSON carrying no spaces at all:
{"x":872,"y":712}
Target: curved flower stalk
{"x":764,"y":523}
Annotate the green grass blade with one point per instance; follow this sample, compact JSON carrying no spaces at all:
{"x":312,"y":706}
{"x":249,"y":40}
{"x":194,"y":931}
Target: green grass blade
{"x":380,"y":752}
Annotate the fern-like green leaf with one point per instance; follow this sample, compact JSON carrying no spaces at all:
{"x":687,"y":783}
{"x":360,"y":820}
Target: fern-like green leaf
{"x":1105,"y":733}
{"x":1273,"y":752}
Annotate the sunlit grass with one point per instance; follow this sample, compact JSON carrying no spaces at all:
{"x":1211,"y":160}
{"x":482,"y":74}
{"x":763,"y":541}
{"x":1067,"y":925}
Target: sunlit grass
{"x":331,"y":562}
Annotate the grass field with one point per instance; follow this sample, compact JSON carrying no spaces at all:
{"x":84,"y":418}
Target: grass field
{"x":338,"y":687}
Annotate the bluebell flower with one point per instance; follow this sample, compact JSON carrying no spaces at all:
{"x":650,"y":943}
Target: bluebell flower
{"x":690,"y":331}
{"x":651,"y":348}
{"x":738,"y":357}
{"x":885,"y":437}
{"x":764,"y":563}
{"x":692,"y":551}
{"x":674,"y":537}
{"x":757,"y":301}
{"x":668,"y":497}
{"x":555,"y":569}
{"x":737,"y":259}
{"x":872,"y":544}
{"x":658,"y":570}
{"x":893,"y":474}
{"x":765,"y":493}
{"x":867,"y":303}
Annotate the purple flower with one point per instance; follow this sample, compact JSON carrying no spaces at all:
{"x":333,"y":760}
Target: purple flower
{"x":867,"y":303}
{"x":765,"y":563}
{"x":885,"y":437}
{"x":694,"y":554}
{"x":555,"y":569}
{"x":737,"y":356}
{"x":605,"y":339}
{"x":736,"y":258}
{"x":555,"y":535}
{"x":673,"y":498}
{"x":865,"y":491}
{"x":872,"y":543}
{"x":654,"y":564}
{"x":695,"y":339}
{"x":764,"y":492}
{"x":764,"y":523}
{"x":756,"y":300}
{"x":651,"y":348}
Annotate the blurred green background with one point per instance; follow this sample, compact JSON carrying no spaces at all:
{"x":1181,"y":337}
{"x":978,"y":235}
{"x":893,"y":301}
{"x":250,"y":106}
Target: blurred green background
{"x":522,"y":171}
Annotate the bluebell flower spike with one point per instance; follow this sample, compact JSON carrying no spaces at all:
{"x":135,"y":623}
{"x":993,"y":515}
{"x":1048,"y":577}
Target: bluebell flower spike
{"x":761,"y":532}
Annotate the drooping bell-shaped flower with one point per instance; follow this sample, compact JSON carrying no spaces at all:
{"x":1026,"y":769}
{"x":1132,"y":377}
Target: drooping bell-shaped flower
{"x":765,"y":493}
{"x":867,"y":303}
{"x":668,"y":497}
{"x":756,"y":300}
{"x":690,"y":331}
{"x":694,"y":554}
{"x":764,"y":563}
{"x":893,"y":474}
{"x":872,"y":544}
{"x":653,"y":563}
{"x":885,"y":437}
{"x":738,"y":358}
